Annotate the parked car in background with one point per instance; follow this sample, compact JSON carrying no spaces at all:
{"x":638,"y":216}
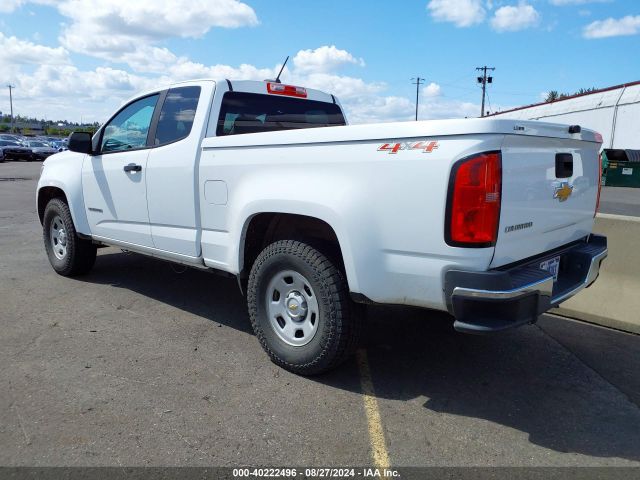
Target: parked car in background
{"x":59,"y":144}
{"x":40,"y":150}
{"x":11,"y":137}
{"x":15,"y":151}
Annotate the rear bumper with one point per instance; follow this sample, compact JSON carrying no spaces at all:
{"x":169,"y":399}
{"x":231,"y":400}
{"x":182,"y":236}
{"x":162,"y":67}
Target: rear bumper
{"x":485,"y":302}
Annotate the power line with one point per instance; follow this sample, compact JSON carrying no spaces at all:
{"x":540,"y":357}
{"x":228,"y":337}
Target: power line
{"x":418,"y":81}
{"x":454,"y":83}
{"x":484,"y":80}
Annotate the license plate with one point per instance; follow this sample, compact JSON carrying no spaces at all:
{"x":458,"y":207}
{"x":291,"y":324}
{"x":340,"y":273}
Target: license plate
{"x":552,"y":266}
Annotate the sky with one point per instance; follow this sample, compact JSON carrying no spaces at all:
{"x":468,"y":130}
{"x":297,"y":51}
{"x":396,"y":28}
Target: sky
{"x":79,"y":60}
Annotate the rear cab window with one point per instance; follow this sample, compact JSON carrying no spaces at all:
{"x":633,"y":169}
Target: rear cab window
{"x":177,"y":115}
{"x":243,"y":112}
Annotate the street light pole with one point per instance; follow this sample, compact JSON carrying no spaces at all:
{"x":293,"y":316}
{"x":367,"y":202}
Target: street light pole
{"x":484,"y":80}
{"x":11,"y":103}
{"x":418,"y":81}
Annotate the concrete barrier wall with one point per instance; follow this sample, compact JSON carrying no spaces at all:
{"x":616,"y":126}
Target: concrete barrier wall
{"x":614,"y":299}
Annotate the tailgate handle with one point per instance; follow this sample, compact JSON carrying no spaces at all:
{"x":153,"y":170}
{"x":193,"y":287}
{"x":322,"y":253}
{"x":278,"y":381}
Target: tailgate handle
{"x":564,"y":165}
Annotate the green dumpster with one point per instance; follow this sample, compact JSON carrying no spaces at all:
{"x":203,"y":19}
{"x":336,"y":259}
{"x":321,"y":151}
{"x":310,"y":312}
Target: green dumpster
{"x":621,"y":168}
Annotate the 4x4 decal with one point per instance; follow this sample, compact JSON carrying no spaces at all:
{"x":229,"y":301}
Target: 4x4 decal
{"x":426,"y":146}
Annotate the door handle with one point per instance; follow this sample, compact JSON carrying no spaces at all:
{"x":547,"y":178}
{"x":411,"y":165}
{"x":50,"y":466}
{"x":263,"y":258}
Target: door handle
{"x":132,"y":167}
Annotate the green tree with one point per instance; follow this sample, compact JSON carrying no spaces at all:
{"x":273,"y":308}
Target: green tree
{"x":552,"y":96}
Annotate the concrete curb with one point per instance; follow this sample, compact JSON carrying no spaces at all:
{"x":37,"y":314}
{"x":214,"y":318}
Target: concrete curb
{"x":614,"y":299}
{"x":597,"y":320}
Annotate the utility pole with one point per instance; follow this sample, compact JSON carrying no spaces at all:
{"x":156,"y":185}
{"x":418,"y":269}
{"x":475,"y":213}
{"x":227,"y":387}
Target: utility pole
{"x":484,"y":80}
{"x":11,"y":103}
{"x":418,"y":81}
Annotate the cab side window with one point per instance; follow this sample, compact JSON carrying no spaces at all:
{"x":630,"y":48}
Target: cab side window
{"x":128,"y":130}
{"x":176,"y":115}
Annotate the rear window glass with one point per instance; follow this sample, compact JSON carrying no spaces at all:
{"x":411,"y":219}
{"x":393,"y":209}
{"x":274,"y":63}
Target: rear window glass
{"x":253,"y":112}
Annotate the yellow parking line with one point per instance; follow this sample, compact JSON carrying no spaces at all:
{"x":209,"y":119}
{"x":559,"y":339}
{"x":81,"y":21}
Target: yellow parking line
{"x":374,"y":421}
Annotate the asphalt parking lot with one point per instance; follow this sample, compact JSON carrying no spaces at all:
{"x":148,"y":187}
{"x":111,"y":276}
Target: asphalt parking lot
{"x":620,"y":201}
{"x":145,"y":363}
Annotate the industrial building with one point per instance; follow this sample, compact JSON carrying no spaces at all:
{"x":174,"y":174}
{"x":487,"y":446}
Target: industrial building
{"x":613,"y":111}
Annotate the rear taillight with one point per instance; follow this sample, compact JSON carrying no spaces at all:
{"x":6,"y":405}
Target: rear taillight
{"x":473,"y":206}
{"x":599,"y":184}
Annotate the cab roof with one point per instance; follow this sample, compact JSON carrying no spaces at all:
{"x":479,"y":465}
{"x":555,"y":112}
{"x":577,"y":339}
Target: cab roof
{"x":249,"y":86}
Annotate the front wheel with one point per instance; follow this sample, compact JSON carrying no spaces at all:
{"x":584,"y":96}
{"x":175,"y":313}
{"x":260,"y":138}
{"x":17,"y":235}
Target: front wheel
{"x":68,"y":254}
{"x":300,"y":308}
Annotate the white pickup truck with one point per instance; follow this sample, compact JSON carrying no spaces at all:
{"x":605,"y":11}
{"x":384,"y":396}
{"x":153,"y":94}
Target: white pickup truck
{"x":487,"y":219}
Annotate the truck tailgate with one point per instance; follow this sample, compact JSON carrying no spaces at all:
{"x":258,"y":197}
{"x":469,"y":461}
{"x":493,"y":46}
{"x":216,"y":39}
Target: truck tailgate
{"x":549,"y":194}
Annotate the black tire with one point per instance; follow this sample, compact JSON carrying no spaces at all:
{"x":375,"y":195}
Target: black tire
{"x":80,"y":253}
{"x":339,"y":318}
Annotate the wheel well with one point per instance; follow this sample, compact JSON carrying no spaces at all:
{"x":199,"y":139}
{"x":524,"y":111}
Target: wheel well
{"x":266,"y":228}
{"x":46,"y":194}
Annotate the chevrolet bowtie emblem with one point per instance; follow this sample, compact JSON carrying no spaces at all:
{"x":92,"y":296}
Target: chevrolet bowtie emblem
{"x":563,"y":192}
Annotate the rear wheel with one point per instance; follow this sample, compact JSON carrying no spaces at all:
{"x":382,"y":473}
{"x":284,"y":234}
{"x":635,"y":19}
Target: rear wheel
{"x":300,"y":308}
{"x":68,"y":254}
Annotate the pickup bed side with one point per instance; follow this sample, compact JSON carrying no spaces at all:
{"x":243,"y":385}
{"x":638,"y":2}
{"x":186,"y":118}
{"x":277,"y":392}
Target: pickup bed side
{"x":386,"y":210}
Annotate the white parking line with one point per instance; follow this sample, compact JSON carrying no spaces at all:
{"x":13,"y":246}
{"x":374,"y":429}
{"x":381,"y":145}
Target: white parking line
{"x":611,"y":216}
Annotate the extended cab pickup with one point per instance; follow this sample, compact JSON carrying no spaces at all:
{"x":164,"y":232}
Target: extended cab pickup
{"x":487,"y":219}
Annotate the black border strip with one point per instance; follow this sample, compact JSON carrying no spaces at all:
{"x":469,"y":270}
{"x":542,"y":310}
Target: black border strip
{"x":153,"y":128}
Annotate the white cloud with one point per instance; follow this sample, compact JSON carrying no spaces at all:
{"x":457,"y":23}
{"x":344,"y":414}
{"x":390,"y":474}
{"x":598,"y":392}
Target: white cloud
{"x":511,"y":18}
{"x":69,"y":82}
{"x":432,"y":90}
{"x":8,"y":6}
{"x":49,"y":85}
{"x":64,"y":92}
{"x":447,"y":108}
{"x":107,"y":29}
{"x":562,"y":3}
{"x":324,"y":59}
{"x":613,"y":27}
{"x":343,"y":86}
{"x":149,"y":59}
{"x":462,"y":13}
{"x":376,"y":109}
{"x":14,"y":51}
{"x":186,"y":69}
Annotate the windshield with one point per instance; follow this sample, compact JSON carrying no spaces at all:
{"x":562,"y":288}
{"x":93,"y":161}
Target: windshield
{"x":252,"y":113}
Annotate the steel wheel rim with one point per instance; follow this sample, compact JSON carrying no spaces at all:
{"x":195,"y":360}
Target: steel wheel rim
{"x":58,"y":237}
{"x":292,"y":307}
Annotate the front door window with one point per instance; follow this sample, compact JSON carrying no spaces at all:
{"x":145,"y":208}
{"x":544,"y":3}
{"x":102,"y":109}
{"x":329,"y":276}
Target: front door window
{"x":128,"y":130}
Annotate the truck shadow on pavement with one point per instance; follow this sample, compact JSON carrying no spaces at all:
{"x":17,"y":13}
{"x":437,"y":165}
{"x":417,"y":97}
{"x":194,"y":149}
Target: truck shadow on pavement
{"x":523,"y":379}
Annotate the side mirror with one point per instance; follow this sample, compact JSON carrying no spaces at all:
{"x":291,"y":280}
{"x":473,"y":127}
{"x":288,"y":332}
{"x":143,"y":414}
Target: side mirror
{"x":80,"y":142}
